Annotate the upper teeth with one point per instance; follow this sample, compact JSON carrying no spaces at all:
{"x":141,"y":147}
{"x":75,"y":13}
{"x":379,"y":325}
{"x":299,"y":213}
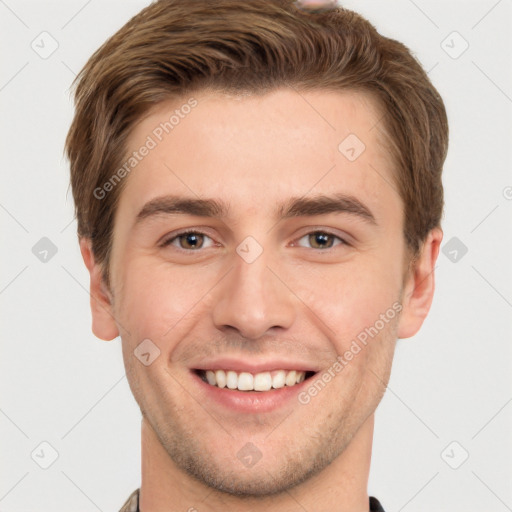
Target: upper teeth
{"x":245,"y":381}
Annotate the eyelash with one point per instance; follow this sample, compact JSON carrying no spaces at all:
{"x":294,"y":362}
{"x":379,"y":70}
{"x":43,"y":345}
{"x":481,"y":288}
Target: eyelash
{"x":169,"y":241}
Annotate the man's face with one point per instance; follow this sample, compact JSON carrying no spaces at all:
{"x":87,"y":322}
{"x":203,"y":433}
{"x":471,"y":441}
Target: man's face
{"x":253,"y":290}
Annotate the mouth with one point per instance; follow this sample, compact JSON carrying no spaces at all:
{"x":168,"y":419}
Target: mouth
{"x":260,"y":382}
{"x":234,"y":386}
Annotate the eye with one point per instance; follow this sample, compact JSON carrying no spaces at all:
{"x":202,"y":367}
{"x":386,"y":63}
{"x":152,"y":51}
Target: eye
{"x":187,"y":241}
{"x":321,"y":240}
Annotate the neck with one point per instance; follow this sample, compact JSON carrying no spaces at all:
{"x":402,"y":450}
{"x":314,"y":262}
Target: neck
{"x":340,"y":487}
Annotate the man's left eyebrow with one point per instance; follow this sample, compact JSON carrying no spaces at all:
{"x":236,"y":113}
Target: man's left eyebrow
{"x":325,"y":204}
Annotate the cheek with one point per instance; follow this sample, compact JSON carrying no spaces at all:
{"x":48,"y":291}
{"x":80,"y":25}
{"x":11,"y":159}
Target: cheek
{"x":157,"y":301}
{"x":348,"y":298}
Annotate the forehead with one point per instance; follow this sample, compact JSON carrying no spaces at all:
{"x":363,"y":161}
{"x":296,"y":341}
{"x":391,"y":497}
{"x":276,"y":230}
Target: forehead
{"x":256,"y":149}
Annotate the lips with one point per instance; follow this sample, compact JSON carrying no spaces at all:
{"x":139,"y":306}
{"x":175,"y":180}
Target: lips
{"x":240,"y":398}
{"x":229,"y":374}
{"x":254,"y":366}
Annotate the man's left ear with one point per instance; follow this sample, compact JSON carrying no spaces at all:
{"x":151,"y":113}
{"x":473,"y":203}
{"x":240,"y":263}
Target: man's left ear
{"x":419,"y":286}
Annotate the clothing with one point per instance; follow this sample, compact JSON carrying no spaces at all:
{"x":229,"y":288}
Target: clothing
{"x":375,"y":505}
{"x":132,"y":503}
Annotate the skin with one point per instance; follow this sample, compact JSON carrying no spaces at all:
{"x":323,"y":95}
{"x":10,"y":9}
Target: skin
{"x":296,"y":300}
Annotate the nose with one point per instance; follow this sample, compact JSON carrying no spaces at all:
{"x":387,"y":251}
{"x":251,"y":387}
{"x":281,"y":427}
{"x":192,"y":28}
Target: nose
{"x":253,"y":299}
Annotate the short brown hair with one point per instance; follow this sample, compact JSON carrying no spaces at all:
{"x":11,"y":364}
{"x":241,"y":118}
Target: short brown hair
{"x":172,"y":48}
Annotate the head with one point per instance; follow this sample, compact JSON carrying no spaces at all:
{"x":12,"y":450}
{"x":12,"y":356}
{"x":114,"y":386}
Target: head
{"x":302,"y":153}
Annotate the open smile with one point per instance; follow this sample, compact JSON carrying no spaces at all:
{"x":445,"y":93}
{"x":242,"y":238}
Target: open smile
{"x":250,"y":392}
{"x":246,"y":381}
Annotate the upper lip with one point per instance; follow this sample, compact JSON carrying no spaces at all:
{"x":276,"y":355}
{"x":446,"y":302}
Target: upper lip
{"x":239,"y":365}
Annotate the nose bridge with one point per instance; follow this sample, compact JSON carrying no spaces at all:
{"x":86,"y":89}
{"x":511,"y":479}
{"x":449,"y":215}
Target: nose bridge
{"x":252,"y":299}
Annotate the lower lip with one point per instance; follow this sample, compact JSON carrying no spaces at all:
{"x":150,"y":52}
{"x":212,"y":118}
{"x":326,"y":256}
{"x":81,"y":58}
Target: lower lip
{"x":251,"y":401}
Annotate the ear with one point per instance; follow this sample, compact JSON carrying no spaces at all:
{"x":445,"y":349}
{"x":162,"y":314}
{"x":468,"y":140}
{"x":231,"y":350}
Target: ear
{"x":419,"y":286}
{"x":103,"y":322}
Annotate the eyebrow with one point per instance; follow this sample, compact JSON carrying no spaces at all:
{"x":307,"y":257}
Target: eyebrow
{"x":294,"y":207}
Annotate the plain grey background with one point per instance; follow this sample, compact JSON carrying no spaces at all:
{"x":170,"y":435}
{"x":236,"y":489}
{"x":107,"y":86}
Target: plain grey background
{"x":443,"y":430}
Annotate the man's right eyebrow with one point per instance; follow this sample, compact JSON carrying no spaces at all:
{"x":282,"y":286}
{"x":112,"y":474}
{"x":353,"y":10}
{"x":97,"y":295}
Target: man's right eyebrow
{"x":181,"y":205}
